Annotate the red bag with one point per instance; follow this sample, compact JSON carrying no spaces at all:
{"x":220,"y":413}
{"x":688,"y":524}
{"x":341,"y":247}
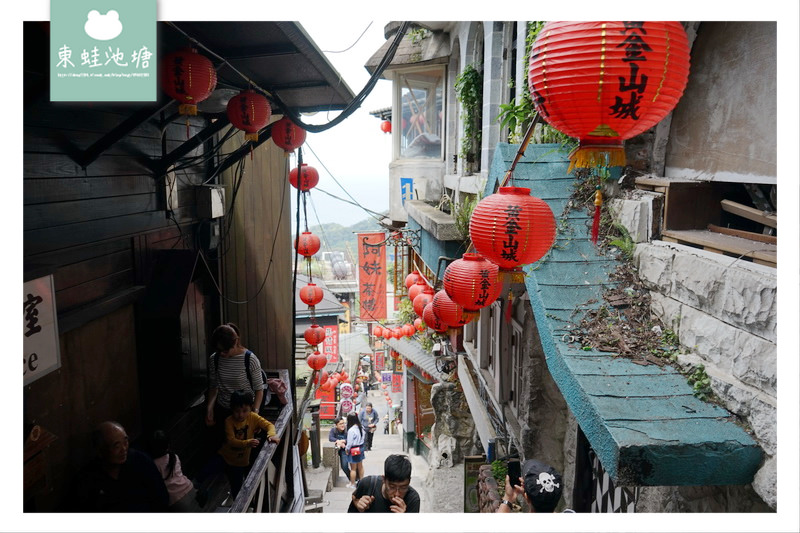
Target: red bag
{"x":355,"y":450}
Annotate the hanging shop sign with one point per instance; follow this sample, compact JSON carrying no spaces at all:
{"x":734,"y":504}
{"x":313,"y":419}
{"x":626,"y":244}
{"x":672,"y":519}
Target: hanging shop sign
{"x":41,"y":353}
{"x":372,"y":276}
{"x":379,"y":358}
{"x":330,"y":346}
{"x":397,"y":382}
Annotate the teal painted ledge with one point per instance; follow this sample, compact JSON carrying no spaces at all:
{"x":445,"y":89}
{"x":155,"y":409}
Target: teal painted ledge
{"x":643,"y":422}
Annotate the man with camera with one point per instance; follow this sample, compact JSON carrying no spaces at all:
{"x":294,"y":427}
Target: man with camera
{"x":540,"y":484}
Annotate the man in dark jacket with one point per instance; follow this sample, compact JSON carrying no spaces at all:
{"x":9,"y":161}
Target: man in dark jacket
{"x":390,"y":493}
{"x":369,"y":421}
{"x":120,"y":479}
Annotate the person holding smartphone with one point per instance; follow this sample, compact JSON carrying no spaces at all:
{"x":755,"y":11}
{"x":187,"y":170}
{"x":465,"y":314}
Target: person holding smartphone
{"x":540,"y":484}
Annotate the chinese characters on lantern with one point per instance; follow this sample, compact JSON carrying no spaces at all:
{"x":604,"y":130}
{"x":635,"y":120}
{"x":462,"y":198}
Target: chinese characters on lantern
{"x":512,"y":227}
{"x":635,"y":47}
{"x":372,"y":276}
{"x":40,"y":331}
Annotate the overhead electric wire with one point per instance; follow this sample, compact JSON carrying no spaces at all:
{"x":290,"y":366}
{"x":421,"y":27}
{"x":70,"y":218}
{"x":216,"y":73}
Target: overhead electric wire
{"x":352,"y":45}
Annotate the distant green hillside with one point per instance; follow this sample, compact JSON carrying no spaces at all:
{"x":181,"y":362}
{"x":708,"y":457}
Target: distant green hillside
{"x":338,"y":238}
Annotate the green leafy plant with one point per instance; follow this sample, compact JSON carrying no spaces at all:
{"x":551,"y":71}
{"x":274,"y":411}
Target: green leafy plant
{"x":462,"y":213}
{"x":499,"y":472}
{"x":701,"y":383}
{"x":469,"y":93}
{"x":405,"y":312}
{"x":624,"y":242}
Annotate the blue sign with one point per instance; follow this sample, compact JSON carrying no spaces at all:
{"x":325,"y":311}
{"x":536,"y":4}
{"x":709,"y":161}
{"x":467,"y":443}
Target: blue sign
{"x":406,"y":189}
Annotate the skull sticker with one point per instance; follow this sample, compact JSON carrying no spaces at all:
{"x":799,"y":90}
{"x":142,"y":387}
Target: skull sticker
{"x":547,"y":481}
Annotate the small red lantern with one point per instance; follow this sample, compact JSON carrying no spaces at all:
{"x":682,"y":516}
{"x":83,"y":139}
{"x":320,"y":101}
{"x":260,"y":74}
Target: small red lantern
{"x":512,"y":228}
{"x":314,"y":334}
{"x":377,"y":331}
{"x":417,"y":288}
{"x":397,"y":332}
{"x":387,"y":333}
{"x":189,"y":78}
{"x":409,"y":330}
{"x":288,"y":135}
{"x":433,"y":321}
{"x":317,"y":361}
{"x":307,"y":244}
{"x":472,"y":282}
{"x":383,"y":386}
{"x":422,"y":299}
{"x":311,"y":295}
{"x":412,"y":279}
{"x":419,"y":325}
{"x":386,"y":126}
{"x":408,"y":363}
{"x":249,"y":111}
{"x":309,"y":177}
{"x":604,"y":82}
{"x":448,"y":311}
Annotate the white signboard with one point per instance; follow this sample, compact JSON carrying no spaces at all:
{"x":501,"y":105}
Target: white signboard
{"x":346,"y":390}
{"x":346,"y":406}
{"x":40,"y":330}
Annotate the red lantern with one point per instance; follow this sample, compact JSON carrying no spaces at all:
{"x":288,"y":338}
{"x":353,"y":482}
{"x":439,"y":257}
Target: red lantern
{"x":448,"y":311}
{"x":323,"y":376}
{"x":397,"y":332}
{"x":604,"y":82}
{"x":314,"y":334}
{"x":317,"y":361}
{"x":409,"y":330}
{"x":249,"y":111}
{"x":377,"y":331}
{"x":189,"y":78}
{"x":309,"y":177}
{"x":307,"y":244}
{"x":419,"y":325}
{"x":328,"y":385}
{"x":512,"y":228}
{"x":422,"y":299}
{"x":386,"y":126}
{"x":288,"y":135}
{"x":408,"y":363}
{"x":433,"y":321}
{"x":472,"y":282}
{"x":412,"y":279}
{"x":417,"y":288}
{"x":383,"y":386}
{"x":387,"y":333}
{"x":311,"y":295}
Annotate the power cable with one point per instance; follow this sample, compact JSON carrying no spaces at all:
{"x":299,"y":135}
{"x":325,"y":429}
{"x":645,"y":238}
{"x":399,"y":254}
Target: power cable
{"x":352,"y":45}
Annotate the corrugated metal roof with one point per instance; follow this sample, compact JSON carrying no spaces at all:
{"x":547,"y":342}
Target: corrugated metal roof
{"x":643,"y":422}
{"x":411,"y":349}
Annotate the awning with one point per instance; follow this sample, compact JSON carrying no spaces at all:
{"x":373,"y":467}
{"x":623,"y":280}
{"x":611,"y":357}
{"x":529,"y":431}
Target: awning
{"x":643,"y":422}
{"x":411,"y":350}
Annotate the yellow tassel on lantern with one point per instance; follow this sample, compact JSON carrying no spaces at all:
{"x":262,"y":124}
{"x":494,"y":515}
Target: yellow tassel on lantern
{"x":591,"y":156}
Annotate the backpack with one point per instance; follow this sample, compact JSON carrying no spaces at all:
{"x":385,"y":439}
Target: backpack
{"x":267,"y":396}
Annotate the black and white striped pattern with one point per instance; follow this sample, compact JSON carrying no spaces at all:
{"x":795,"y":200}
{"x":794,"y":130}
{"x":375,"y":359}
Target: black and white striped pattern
{"x":607,"y":498}
{"x":232,"y":376}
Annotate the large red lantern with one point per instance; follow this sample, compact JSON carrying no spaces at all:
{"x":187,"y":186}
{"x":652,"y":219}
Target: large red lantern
{"x":309,"y":177}
{"x":288,"y":135}
{"x":412,"y":278}
{"x":189,"y":78}
{"x":307,"y":244}
{"x":448,"y":311}
{"x":472,"y":282}
{"x":512,"y":228}
{"x":386,"y":126}
{"x":317,"y":361}
{"x":604,"y":82}
{"x":422,"y":299}
{"x":311,"y":295}
{"x":314,"y":334}
{"x":433,"y":321}
{"x":417,"y":288}
{"x":249,"y":111}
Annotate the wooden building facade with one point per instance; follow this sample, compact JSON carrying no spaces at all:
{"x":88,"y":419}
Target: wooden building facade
{"x":141,"y":273}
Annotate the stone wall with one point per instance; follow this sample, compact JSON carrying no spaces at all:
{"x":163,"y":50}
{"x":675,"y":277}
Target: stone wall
{"x":724,"y":313}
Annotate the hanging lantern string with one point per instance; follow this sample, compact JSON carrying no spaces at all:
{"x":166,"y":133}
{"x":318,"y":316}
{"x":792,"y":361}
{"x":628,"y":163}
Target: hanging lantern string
{"x":521,"y":152}
{"x":222,"y":60}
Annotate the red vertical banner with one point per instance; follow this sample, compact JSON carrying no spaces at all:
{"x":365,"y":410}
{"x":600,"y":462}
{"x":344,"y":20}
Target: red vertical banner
{"x":372,"y":276}
{"x":379,"y":361}
{"x":327,"y":407}
{"x":330,"y":345}
{"x":397,"y":382}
